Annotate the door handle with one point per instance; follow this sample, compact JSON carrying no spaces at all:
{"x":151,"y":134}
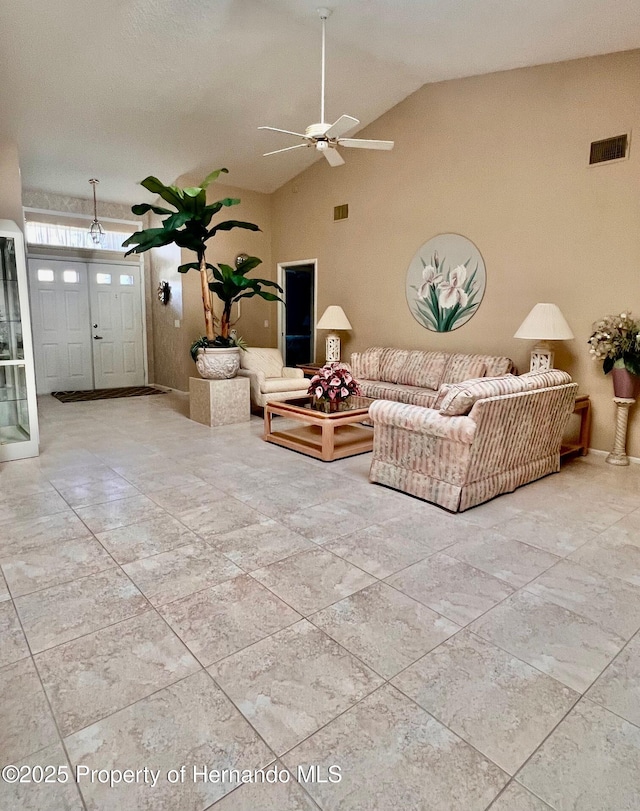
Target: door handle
{"x":97,"y":337}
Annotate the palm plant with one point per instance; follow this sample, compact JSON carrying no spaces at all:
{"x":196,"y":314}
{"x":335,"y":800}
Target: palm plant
{"x":189,"y":226}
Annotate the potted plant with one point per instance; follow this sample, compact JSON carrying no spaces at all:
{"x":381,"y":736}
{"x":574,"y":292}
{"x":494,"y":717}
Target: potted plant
{"x":616,"y":341}
{"x":188,"y":225}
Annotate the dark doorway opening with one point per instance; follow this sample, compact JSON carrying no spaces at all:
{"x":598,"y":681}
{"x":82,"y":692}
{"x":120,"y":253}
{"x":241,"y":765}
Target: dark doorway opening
{"x":299,"y":295}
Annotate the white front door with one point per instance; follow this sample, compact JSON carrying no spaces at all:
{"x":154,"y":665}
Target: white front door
{"x":61,"y":325}
{"x":87,"y":325}
{"x":116,"y":325}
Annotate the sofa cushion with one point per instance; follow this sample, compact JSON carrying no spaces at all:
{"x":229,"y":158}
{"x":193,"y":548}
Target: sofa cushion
{"x":421,"y":397}
{"x":376,"y":389}
{"x":391,"y":363}
{"x":262,"y":359}
{"x":402,"y":393}
{"x":464,"y":367}
{"x":273,"y":384}
{"x":423,"y":369}
{"x":366,"y":365}
{"x":496,"y":366}
{"x":398,"y":393}
{"x":460,"y":398}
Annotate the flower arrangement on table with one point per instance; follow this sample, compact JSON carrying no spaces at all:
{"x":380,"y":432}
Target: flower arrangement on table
{"x":616,"y":342}
{"x":333,"y":384}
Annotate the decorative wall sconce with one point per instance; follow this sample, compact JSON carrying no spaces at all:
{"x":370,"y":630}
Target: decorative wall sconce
{"x":164,"y":292}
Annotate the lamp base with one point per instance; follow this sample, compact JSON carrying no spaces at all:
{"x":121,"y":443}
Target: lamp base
{"x":542,"y":357}
{"x":332,"y":348}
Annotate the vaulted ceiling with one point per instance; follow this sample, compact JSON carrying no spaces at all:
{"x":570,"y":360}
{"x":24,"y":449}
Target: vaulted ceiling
{"x":119,"y":89}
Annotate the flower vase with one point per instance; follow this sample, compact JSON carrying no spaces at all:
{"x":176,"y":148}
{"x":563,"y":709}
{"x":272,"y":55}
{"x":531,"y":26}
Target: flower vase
{"x":328,"y":406}
{"x":626,"y":385}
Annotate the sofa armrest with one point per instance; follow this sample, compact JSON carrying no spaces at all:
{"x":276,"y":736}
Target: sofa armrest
{"x":422,"y":420}
{"x":289,"y":371}
{"x":521,"y":426}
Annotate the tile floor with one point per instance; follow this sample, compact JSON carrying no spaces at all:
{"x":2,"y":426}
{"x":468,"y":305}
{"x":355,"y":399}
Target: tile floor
{"x":178,"y":596}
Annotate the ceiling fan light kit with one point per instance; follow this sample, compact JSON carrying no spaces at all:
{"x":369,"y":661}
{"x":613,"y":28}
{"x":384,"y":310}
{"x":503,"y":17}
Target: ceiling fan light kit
{"x":326,"y":138}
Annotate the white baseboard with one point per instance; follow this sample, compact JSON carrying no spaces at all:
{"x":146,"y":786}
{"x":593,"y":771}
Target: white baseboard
{"x":635,"y":460}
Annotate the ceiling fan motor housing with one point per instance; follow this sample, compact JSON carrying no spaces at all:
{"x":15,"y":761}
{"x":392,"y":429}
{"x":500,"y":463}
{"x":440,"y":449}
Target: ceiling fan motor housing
{"x":316,"y":130}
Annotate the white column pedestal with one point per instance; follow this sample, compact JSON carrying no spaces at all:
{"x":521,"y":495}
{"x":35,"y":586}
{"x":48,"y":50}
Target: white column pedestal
{"x":618,"y":455}
{"x":219,"y":402}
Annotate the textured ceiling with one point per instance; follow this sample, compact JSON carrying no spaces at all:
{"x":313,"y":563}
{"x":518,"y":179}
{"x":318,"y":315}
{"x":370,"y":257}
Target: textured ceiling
{"x":119,"y":89}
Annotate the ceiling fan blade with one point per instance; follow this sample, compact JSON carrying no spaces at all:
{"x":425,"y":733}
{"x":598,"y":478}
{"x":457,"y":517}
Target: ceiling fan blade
{"x":286,"y":132}
{"x":341,"y":126}
{"x":333,"y":156}
{"x":362,"y":143}
{"x":286,"y":149}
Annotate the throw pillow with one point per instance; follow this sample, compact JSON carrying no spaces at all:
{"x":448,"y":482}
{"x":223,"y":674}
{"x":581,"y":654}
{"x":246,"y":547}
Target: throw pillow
{"x":461,"y":397}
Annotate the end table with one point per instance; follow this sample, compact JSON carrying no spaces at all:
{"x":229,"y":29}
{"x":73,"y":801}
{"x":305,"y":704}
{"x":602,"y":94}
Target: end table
{"x":583,"y":408}
{"x":310,"y":369}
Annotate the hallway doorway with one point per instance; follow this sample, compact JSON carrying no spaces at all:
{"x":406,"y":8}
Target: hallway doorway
{"x":297,"y":319}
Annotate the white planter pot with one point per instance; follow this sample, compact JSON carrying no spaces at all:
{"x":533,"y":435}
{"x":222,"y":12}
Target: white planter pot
{"x":218,"y":364}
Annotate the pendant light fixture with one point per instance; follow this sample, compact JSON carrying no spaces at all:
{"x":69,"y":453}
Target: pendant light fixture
{"x":96,"y":231}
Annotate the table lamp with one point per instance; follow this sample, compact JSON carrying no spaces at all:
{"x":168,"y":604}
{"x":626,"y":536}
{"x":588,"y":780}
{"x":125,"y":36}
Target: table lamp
{"x":333,"y":319}
{"x":544,"y":323}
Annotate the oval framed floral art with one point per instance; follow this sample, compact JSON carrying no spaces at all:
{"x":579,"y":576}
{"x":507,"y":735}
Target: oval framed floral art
{"x":445,"y":282}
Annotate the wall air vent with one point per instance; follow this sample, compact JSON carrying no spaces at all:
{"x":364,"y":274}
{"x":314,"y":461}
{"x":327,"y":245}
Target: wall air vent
{"x":610,"y":149}
{"x":341,"y":212}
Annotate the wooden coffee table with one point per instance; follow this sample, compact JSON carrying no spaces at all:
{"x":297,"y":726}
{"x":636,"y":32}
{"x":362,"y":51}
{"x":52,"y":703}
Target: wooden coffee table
{"x":323,"y":435}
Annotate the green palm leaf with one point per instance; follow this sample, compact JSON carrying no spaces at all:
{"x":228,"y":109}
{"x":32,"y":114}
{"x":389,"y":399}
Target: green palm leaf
{"x":189,"y":227}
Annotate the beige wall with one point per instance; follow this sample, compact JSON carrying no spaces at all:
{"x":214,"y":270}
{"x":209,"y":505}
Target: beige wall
{"x":10,"y":187}
{"x":172,"y":362}
{"x":501,"y":159}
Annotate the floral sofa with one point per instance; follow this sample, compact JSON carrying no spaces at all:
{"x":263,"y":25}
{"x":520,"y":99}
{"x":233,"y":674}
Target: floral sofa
{"x":484,"y":437}
{"x":415,"y":376}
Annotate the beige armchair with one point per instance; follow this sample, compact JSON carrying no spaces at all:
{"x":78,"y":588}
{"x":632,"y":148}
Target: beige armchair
{"x":270,"y":379}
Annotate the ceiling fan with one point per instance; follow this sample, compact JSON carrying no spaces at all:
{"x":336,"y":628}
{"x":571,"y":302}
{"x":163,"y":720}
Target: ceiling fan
{"x":327,"y":137}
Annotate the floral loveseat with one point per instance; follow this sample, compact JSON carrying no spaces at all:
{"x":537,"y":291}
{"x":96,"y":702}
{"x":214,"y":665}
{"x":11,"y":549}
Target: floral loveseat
{"x":415,"y":376}
{"x":485,"y":437}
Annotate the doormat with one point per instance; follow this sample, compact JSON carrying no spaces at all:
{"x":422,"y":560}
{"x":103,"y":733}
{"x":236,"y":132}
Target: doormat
{"x":104,"y":394}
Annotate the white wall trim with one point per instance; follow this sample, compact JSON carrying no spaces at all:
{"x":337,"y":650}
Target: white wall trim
{"x":635,"y":460}
{"x":281,"y":322}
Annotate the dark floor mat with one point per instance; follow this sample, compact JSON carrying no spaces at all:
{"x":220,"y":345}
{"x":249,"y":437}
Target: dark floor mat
{"x":104,"y":394}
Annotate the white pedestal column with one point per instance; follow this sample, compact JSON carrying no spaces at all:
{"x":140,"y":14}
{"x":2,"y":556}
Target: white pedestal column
{"x":618,"y":455}
{"x":219,"y":402}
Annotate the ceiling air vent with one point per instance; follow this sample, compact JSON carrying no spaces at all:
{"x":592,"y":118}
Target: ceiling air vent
{"x":341,"y":212}
{"x":610,"y":149}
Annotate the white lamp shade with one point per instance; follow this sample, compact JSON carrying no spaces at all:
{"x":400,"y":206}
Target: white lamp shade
{"x":334,"y":318}
{"x":545,"y":323}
